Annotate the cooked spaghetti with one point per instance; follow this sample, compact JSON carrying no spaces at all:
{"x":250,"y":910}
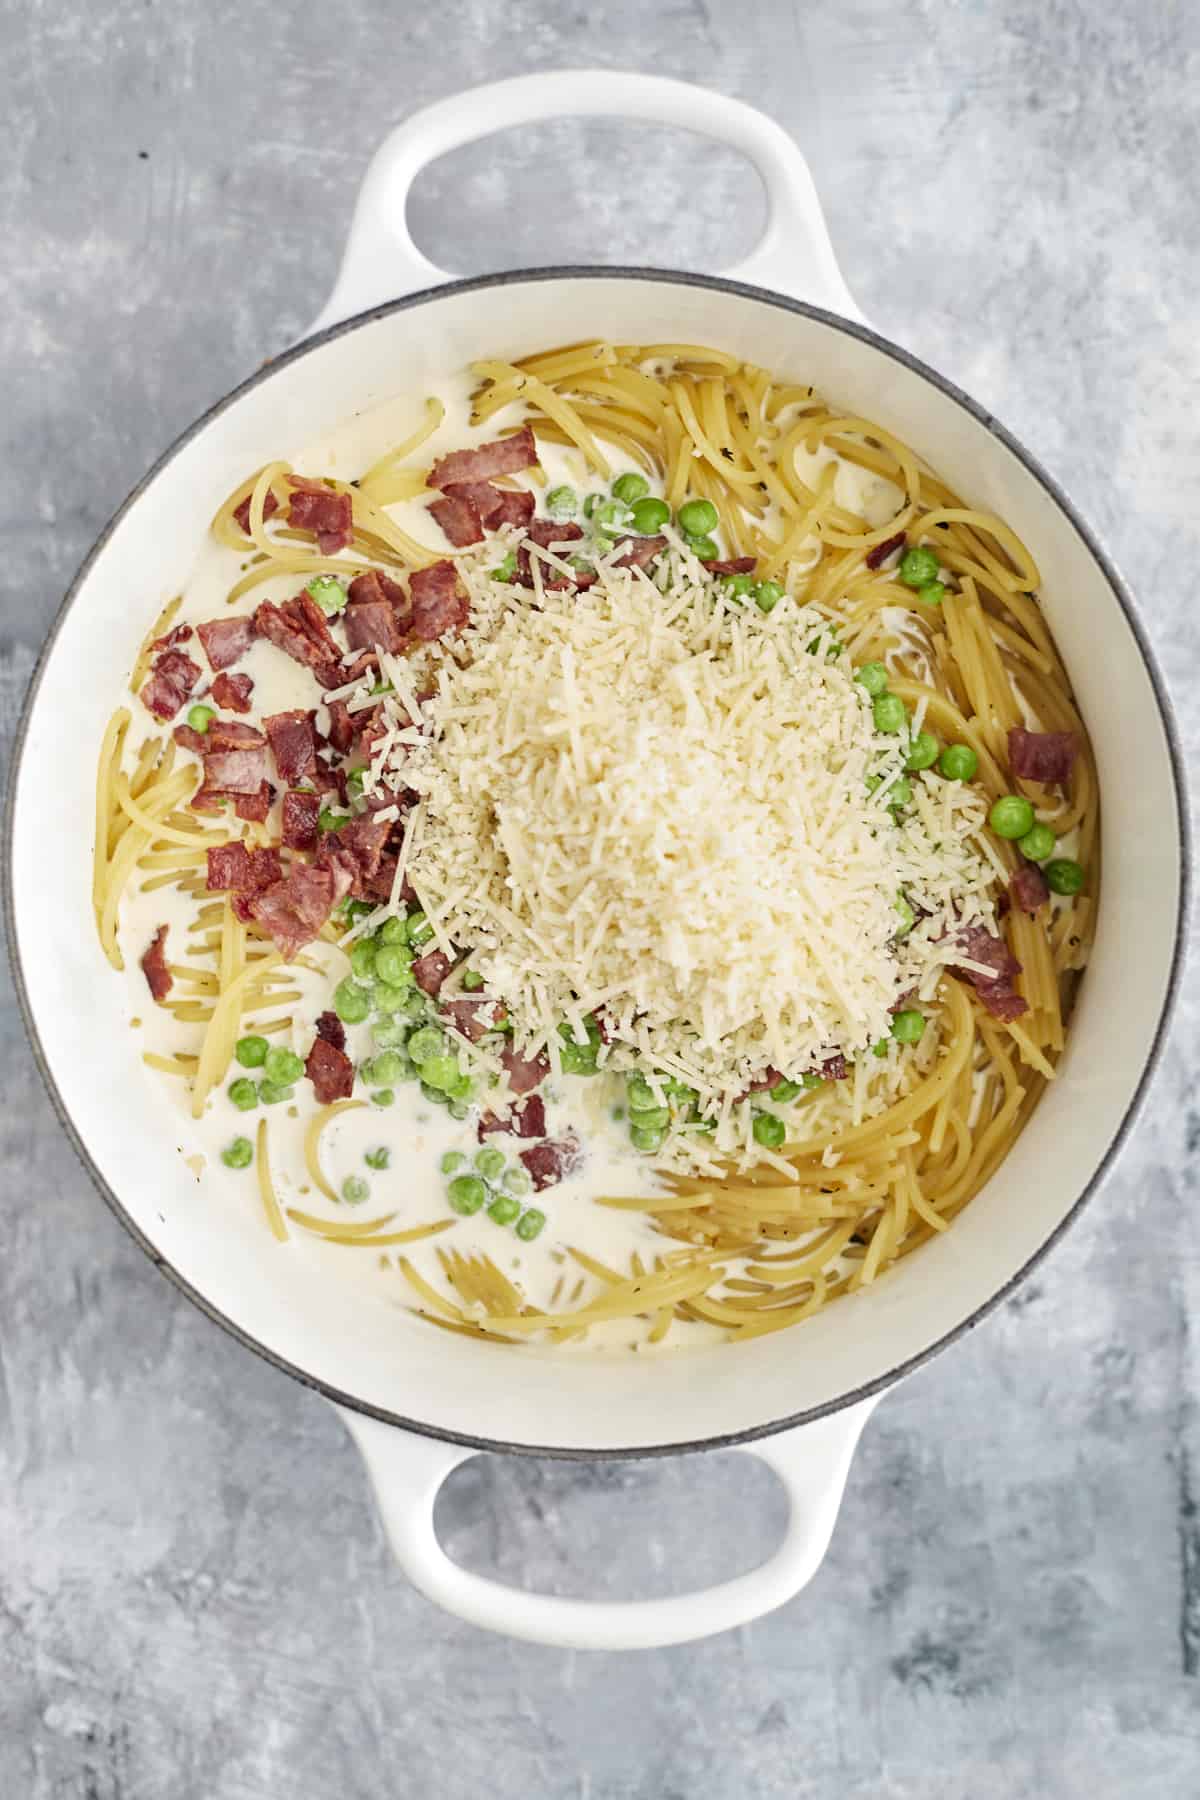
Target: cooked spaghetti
{"x":712,"y":781}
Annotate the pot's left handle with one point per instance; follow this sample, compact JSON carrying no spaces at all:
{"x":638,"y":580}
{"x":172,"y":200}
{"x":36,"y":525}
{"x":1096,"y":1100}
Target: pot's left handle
{"x":382,"y":263}
{"x":812,"y":1462}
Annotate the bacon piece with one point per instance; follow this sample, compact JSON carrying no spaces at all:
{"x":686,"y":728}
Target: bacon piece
{"x":732,"y":565}
{"x":524,"y":1072}
{"x":639,"y":552}
{"x":468,"y":508}
{"x":172,"y":677}
{"x":511,"y":506}
{"x":341,"y":726}
{"x":372,"y":625}
{"x":835,"y":1068}
{"x":293,"y":744}
{"x":232,"y":772}
{"x":233,"y":692}
{"x":294,"y":910}
{"x":225,"y":641}
{"x":546,"y":532}
{"x":330,"y":1027}
{"x":548,"y":1162}
{"x":178,"y":634}
{"x":504,"y":456}
{"x":439,"y":605}
{"x":995,"y":990}
{"x":314,"y":507}
{"x":299,"y":628}
{"x":254,"y":807}
{"x":373,"y":584}
{"x":231,"y":734}
{"x":878,"y":554}
{"x":474,"y":1017}
{"x":187,"y":739}
{"x":242,"y":513}
{"x":379,"y":885}
{"x":330,"y":1071}
{"x":526,"y":1119}
{"x":1041,"y":755}
{"x":298,"y":828}
{"x":761,"y":1083}
{"x":458,"y":518}
{"x":154,"y":965}
{"x":1028,"y":888}
{"x":429,"y":971}
{"x":235,"y":868}
{"x":356,"y":848}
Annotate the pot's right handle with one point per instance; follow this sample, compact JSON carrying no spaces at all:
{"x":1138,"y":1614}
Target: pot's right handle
{"x":381,"y":262}
{"x":812,"y":1462}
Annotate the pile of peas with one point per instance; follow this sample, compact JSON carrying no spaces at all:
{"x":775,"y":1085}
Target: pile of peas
{"x":493,"y":1185}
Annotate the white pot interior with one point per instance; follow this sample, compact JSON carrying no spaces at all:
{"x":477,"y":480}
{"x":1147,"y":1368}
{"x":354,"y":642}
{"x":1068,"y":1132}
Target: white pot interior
{"x":378,"y":1356}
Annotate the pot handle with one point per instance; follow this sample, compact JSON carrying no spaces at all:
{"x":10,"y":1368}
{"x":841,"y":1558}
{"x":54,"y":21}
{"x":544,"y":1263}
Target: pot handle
{"x":382,"y":263}
{"x":812,"y":1462}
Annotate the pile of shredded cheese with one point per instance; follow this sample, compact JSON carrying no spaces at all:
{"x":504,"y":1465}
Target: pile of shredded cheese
{"x":646,"y":800}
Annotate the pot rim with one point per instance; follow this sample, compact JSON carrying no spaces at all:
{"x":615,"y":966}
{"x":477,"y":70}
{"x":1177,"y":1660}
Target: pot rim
{"x":1121,"y":592}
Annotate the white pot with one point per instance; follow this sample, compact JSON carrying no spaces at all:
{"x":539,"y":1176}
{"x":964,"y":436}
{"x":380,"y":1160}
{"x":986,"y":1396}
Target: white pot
{"x":419,"y":1402}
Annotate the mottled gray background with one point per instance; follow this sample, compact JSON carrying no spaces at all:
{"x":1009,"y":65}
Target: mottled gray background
{"x":195,"y":1597}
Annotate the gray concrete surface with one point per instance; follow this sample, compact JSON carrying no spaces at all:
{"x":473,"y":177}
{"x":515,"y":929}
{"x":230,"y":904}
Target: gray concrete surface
{"x":195,"y":1599}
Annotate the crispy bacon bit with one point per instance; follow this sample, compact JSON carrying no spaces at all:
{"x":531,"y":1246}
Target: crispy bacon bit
{"x":372,"y":625}
{"x":373,"y":584}
{"x":468,"y":508}
{"x":314,"y":507}
{"x":1028,"y":888}
{"x":298,"y":627}
{"x":172,"y":677}
{"x":242,"y":513}
{"x":235,"y":868}
{"x":512,"y":506}
{"x":187,"y":739}
{"x":230,"y":772}
{"x":225,"y":641}
{"x":379,"y":885}
{"x":253,"y":808}
{"x":293,"y":744}
{"x":545,"y":532}
{"x":1041,"y":755}
{"x":474,"y":1017}
{"x":233,"y":692}
{"x":547,"y":1163}
{"x":835,"y":1068}
{"x":525,"y":1119}
{"x":878,"y":554}
{"x":524,"y":1073}
{"x":639,"y":552}
{"x":995,"y":990}
{"x":356,"y":848}
{"x":505,"y":456}
{"x":429,"y":971}
{"x":298,"y":828}
{"x":178,"y":634}
{"x":733,"y":565}
{"x":341,"y":726}
{"x":457,"y":517}
{"x":294,"y":910}
{"x":330,"y":1071}
{"x":439,"y":605}
{"x":154,"y":965}
{"x":330,"y":1027}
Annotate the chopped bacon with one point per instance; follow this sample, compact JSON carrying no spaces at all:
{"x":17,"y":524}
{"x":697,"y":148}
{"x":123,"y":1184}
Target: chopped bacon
{"x":356,"y":848}
{"x":341,"y":726}
{"x":154,"y":965}
{"x":225,"y":641}
{"x":298,"y":828}
{"x":294,"y":910}
{"x":835,"y":1068}
{"x":458,"y":518}
{"x":187,"y":739}
{"x":330,"y":1027}
{"x":995,"y":990}
{"x":242,"y":513}
{"x":878,"y":554}
{"x":545,"y":532}
{"x":378,"y":886}
{"x":230,"y":772}
{"x":505,"y":456}
{"x":314,"y":507}
{"x":548,"y":1162}
{"x":231,"y":734}
{"x":639,"y":551}
{"x":172,"y":677}
{"x":372,"y":625}
{"x":429,"y":971}
{"x":524,"y":1072}
{"x":732,"y":565}
{"x":233,"y":692}
{"x":178,"y":634}
{"x":439,"y":605}
{"x":253,"y":808}
{"x":373,"y":584}
{"x":293,"y":744}
{"x":768,"y":1079}
{"x":235,"y":868}
{"x":512,"y":506}
{"x":525,"y":1119}
{"x":1041,"y":755}
{"x":330,"y":1071}
{"x":474,"y":1017}
{"x":468,"y":508}
{"x":1028,"y":888}
{"x":299,"y":628}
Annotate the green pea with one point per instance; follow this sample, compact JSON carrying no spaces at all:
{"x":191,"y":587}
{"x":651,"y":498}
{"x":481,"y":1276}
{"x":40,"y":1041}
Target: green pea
{"x":200,"y":717}
{"x":355,"y":1190}
{"x":630,"y":487}
{"x":283,"y":1066}
{"x":641,"y":1096}
{"x":426,"y":1043}
{"x":655,"y":1118}
{"x":357,"y":909}
{"x":531,"y":1224}
{"x":440,"y":1072}
{"x":393,"y":931}
{"x":810,"y":1079}
{"x":328,"y":820}
{"x":393,"y":963}
{"x":697,"y":517}
{"x":351,"y":1002}
{"x":1038,"y":843}
{"x":647,"y":1137}
{"x":880,"y":1048}
{"x":452,"y":1160}
{"x":958,"y":762}
{"x":243,"y":1093}
{"x":649,"y":516}
{"x":506,"y":568}
{"x":504,"y":1209}
{"x":419,"y":929}
{"x":472,"y":981}
{"x":328,"y":593}
{"x":768,"y":1130}
{"x":919,"y":567}
{"x":562,"y":503}
{"x":389,"y":1034}
{"x":389,"y":999}
{"x":706,"y":548}
{"x":737,"y":587}
{"x":784,"y":1091}
{"x":1064,"y":876}
{"x":578,"y":1059}
{"x":384,"y":1097}
{"x":900,"y":792}
{"x":466,"y":1194}
{"x":355,"y":782}
{"x":382,"y":1070}
{"x":908,"y":917}
{"x":767,"y":595}
{"x":516,"y":1180}
{"x":922,"y":752}
{"x":378,"y":1158}
{"x":874,"y":677}
{"x":890,"y":713}
{"x":1011,"y":816}
{"x":462,"y":1087}
{"x":436,"y":1095}
{"x":590,"y":504}
{"x":362,"y":959}
{"x":251,"y":1052}
{"x":612,"y":515}
{"x":490,"y":1163}
{"x":272,"y":1092}
{"x":932,"y":593}
{"x":239,"y":1154}
{"x":458,"y":1109}
{"x":908,"y":1027}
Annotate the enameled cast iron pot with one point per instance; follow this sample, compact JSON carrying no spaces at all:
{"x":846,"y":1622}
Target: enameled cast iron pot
{"x":420,"y":1402}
